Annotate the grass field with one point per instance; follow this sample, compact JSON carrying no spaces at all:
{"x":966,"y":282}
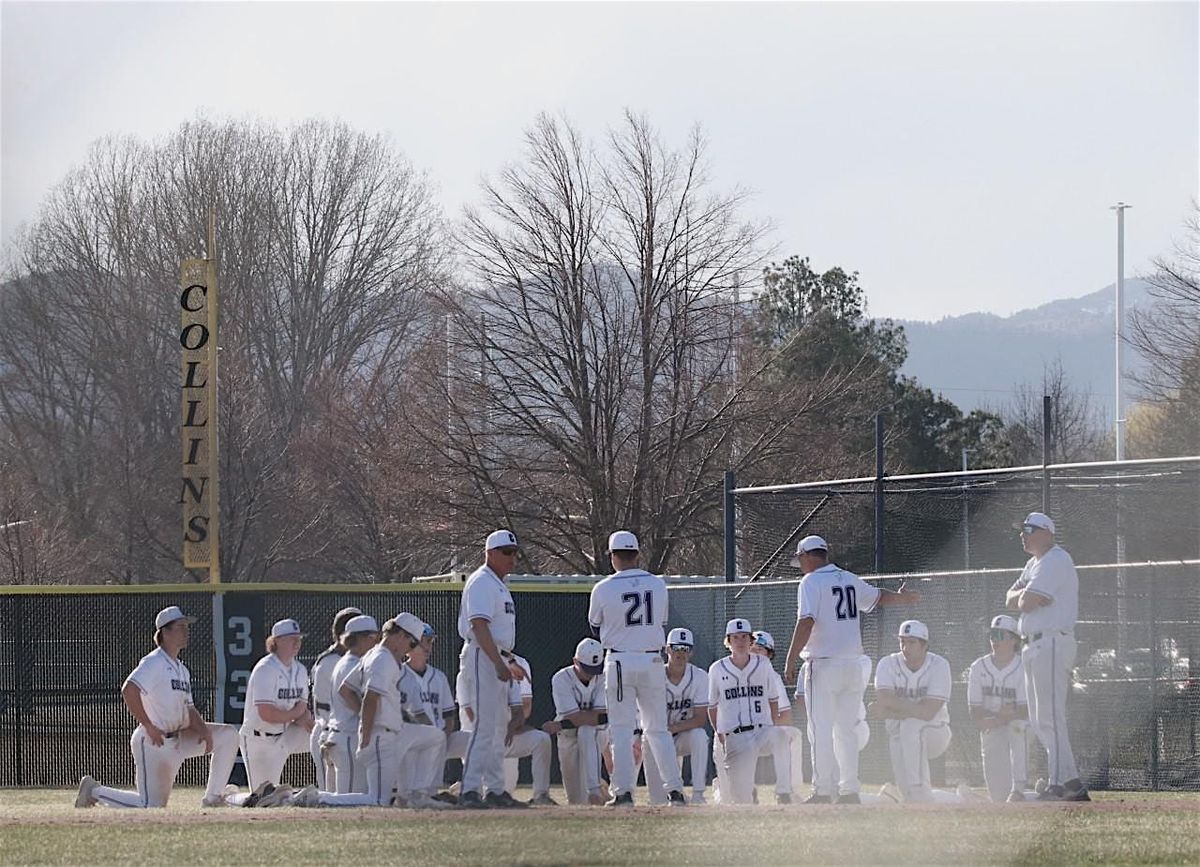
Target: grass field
{"x":42,"y":826}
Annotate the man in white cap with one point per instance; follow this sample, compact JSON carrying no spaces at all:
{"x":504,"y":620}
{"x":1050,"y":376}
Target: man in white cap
{"x":487,"y":623}
{"x":341,"y":736}
{"x":829,"y":637}
{"x":580,"y":722}
{"x":912,"y":688}
{"x":628,"y":611}
{"x":1047,"y":595}
{"x":996,"y":697}
{"x":321,"y":694}
{"x":158,"y":692}
{"x":687,"y":713}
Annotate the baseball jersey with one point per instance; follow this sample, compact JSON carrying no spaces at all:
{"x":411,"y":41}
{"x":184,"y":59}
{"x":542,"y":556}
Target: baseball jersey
{"x":688,"y":697}
{"x":931,"y":680}
{"x":1054,"y":576}
{"x":486,"y":597}
{"x":322,"y":683}
{"x":347,"y":672}
{"x":426,"y":692}
{"x":778,"y":693}
{"x":166,"y":687}
{"x":381,"y":675}
{"x":992,"y":688}
{"x":271,"y":682}
{"x":741,"y":695}
{"x":833,"y":598}
{"x":571,"y":694}
{"x":629,"y":608}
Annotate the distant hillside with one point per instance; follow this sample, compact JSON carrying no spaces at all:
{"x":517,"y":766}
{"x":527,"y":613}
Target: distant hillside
{"x":976,"y":359}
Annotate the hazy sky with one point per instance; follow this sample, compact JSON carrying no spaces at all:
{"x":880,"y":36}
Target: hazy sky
{"x":961,"y":156}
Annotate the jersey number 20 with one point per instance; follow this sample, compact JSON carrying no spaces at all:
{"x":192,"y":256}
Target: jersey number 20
{"x":641,"y":608}
{"x":845,"y":605}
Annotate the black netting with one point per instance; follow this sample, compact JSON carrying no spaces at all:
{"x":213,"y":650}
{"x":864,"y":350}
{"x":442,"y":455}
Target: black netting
{"x":64,"y":657}
{"x":1135,"y":708}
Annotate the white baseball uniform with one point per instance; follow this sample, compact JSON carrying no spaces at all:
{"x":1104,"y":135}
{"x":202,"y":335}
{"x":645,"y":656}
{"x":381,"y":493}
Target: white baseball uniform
{"x":629,"y":610}
{"x":833,"y":688}
{"x":742,"y":697}
{"x":423,"y":762}
{"x":486,"y":597}
{"x":531,"y":742}
{"x":579,"y":749}
{"x":321,"y":687}
{"x":165,"y":685}
{"x":341,"y":729}
{"x":913,"y":742}
{"x":1049,"y":655}
{"x":266,"y":746}
{"x":1004,"y":748}
{"x":685,"y":700}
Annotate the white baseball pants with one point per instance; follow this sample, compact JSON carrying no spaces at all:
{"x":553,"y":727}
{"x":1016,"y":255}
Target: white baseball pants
{"x":343,"y":775}
{"x":483,"y":764}
{"x":692,"y":743}
{"x":535,"y":744}
{"x":579,"y":759}
{"x":912,"y":743}
{"x":320,"y":758}
{"x":833,"y":694}
{"x":265,"y":755}
{"x":737,"y":761}
{"x":1048,"y":663}
{"x":635,"y":685}
{"x":379,"y":763}
{"x":155,"y":768}
{"x":1005,"y":759}
{"x":422,"y":759}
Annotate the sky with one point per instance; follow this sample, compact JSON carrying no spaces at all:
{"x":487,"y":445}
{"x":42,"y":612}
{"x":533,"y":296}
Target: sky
{"x":959,"y":156}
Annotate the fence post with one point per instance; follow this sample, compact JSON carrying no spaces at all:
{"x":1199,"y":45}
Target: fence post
{"x":730,"y":527}
{"x":1155,"y":710}
{"x":1045,"y":454}
{"x":22,"y":678}
{"x":878,"y":493}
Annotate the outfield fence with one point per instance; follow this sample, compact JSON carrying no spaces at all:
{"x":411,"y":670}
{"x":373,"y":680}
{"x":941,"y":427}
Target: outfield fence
{"x":64,"y":653}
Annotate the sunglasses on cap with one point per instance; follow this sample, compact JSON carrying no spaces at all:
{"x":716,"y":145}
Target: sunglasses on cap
{"x":1000,"y":634}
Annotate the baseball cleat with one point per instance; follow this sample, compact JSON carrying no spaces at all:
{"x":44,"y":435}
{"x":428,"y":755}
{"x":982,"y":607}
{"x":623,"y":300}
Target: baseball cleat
{"x":1040,"y":785}
{"x":677,"y":799}
{"x":85,"y":797}
{"x":306,"y":797}
{"x":213,"y":800}
{"x":260,"y":791}
{"x":504,"y":801}
{"x":425,"y":801}
{"x":624,"y":800}
{"x":446,"y":798}
{"x":1074,"y":790}
{"x":698,"y":799}
{"x":471,"y":801}
{"x":784,"y":798}
{"x":279,"y":796}
{"x":543,"y":800}
{"x":814,"y":798}
{"x":1016,"y":797}
{"x":1051,"y":793}
{"x":848,"y":798}
{"x":891,"y":792}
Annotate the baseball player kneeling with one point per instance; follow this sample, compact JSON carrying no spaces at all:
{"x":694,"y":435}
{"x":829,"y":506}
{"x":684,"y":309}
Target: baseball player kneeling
{"x":687,"y":704}
{"x":996,"y":696}
{"x":321,"y":692}
{"x":912,"y":688}
{"x":742,"y":714}
{"x":158,"y":692}
{"x":522,"y":740}
{"x":426,"y":701}
{"x":340,"y":742}
{"x":580,"y":722}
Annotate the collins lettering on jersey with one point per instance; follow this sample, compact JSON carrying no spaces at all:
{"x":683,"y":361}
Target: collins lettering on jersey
{"x":750,"y":691}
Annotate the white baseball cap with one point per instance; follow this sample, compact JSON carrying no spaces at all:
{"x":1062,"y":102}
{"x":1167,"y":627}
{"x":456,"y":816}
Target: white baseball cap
{"x":169,"y":615}
{"x":914,"y":629}
{"x":589,"y":653}
{"x":807,"y":544}
{"x":738,"y":624}
{"x":1039,"y":520}
{"x":1003,"y":621}
{"x":501,"y":539}
{"x":764,"y":639}
{"x":361,"y":623}
{"x":679,"y":635}
{"x":410,"y":623}
{"x":623,"y":540}
{"x":286,"y":627}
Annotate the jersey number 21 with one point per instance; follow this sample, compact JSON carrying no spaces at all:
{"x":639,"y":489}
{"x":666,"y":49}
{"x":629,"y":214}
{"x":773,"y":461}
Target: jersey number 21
{"x":641,"y":608}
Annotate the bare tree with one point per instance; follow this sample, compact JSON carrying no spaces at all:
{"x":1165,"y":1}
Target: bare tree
{"x":1077,"y":426}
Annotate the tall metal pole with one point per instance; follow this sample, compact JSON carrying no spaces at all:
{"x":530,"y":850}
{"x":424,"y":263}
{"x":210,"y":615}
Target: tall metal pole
{"x":879,"y":513}
{"x":1046,"y":452}
{"x":966,"y":514}
{"x":730,"y":527}
{"x":1118,"y":404}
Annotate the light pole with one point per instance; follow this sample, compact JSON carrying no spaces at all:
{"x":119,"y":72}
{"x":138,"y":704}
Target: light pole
{"x":1118,"y":406}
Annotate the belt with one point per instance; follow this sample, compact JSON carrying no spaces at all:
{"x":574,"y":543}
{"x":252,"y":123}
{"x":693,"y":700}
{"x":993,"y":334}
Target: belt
{"x":322,"y":706}
{"x":259,"y":734}
{"x":170,"y":734}
{"x":740,"y":729}
{"x":637,"y":733}
{"x":1038,"y":636}
{"x":507,"y":654}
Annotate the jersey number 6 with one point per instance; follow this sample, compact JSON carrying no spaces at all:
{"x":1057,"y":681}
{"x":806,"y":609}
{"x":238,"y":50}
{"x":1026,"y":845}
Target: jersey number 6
{"x":640,"y":610}
{"x":846,"y":606}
